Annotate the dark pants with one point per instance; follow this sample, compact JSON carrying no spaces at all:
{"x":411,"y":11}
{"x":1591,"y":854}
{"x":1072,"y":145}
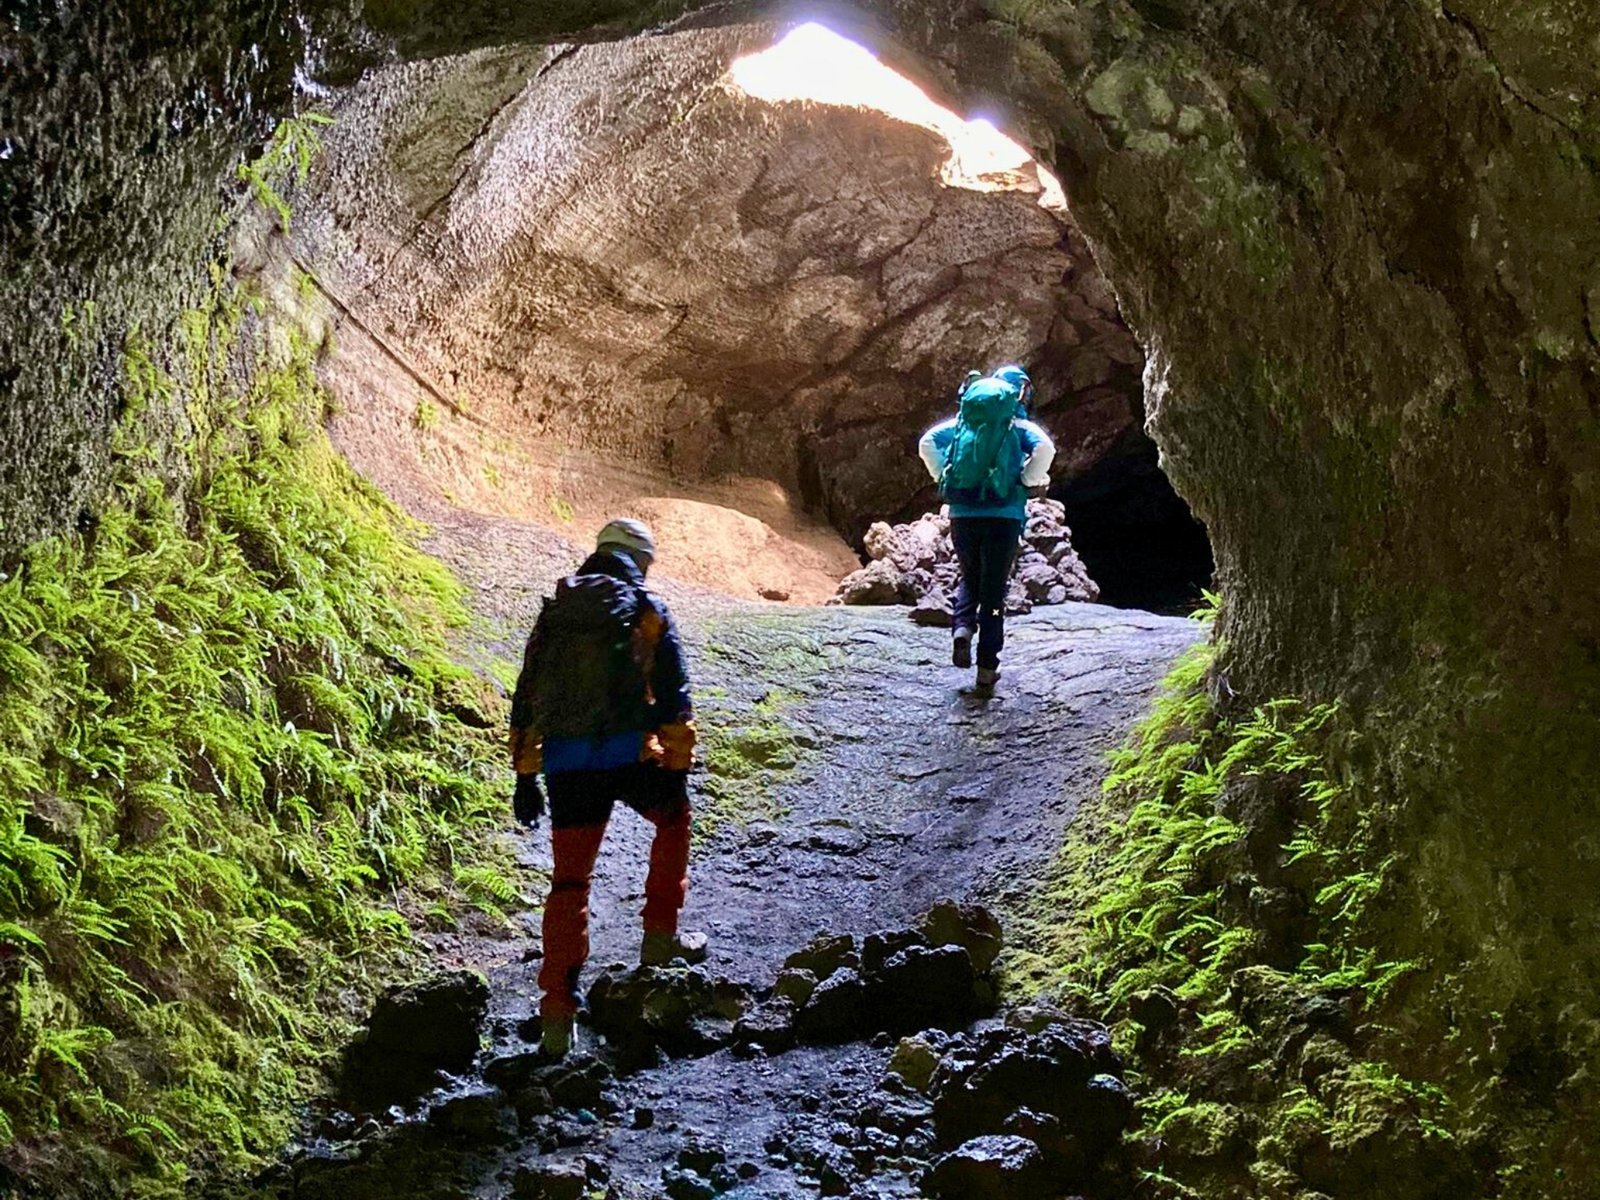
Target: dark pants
{"x":986,"y":548}
{"x":580,"y":807}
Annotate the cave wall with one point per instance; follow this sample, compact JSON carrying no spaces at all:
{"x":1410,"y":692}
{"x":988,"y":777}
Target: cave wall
{"x":1361,"y":242}
{"x":119,"y":123}
{"x":696,"y":282}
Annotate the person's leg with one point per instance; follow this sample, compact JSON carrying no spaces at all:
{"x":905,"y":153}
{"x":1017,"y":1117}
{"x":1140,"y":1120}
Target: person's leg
{"x":964,"y":610}
{"x":580,"y":805}
{"x":662,"y":798}
{"x":997,"y":541}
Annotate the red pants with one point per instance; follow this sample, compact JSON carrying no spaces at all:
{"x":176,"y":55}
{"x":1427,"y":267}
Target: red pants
{"x":580,"y":807}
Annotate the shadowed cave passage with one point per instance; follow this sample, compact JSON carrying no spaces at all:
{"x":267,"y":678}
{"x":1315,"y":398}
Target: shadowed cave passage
{"x":728,"y":309}
{"x":1137,"y":536}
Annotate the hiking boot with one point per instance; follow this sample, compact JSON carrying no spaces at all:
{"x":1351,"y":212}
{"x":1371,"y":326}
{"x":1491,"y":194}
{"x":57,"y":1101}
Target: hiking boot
{"x":961,"y":648}
{"x":555,"y":1037}
{"x":987,"y":678}
{"x":659,"y":949}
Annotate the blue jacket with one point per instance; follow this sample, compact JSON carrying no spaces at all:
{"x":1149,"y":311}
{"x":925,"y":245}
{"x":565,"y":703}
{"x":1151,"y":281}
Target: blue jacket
{"x":1038,"y":452}
{"x":669,"y":685}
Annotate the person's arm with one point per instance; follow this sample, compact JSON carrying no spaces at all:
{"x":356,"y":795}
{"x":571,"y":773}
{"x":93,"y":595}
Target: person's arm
{"x":932,"y":446}
{"x":671,"y":744}
{"x":1041,"y":453}
{"x":527,"y":740}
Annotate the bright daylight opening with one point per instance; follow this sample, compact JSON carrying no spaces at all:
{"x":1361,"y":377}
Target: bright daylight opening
{"x":814,"y":63}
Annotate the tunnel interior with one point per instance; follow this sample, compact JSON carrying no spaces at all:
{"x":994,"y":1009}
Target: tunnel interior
{"x":730,"y":305}
{"x":1137,"y":536}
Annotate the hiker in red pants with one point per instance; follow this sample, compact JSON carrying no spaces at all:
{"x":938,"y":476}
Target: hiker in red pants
{"x":602,"y":707}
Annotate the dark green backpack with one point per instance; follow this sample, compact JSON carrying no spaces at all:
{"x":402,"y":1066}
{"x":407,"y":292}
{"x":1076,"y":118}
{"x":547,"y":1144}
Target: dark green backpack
{"x":582,"y":674}
{"x":983,"y":462}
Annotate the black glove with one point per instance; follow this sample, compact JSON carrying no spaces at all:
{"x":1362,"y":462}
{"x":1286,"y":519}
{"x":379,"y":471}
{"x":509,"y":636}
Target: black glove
{"x":527,"y":802}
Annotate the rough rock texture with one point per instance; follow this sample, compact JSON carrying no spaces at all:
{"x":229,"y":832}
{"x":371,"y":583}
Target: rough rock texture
{"x":1362,"y":241}
{"x":915,"y":564}
{"x":118,"y":119}
{"x":414,"y":1033}
{"x":698,"y":285}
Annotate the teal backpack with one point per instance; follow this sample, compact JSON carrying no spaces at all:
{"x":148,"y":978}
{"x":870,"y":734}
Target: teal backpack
{"x":983,"y":462}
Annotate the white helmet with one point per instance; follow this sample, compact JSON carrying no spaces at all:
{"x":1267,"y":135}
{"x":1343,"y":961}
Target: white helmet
{"x":627,"y":534}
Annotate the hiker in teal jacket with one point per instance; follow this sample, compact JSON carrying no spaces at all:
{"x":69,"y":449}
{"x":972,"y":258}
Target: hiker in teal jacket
{"x":992,"y":441}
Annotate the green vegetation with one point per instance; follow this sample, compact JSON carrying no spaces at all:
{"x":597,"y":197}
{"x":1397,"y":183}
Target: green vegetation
{"x":1218,"y":908}
{"x":295,"y":145}
{"x":233,"y":749}
{"x":747,"y":741}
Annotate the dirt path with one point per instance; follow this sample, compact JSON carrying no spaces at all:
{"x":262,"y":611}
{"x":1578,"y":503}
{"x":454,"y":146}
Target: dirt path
{"x":873,"y":787}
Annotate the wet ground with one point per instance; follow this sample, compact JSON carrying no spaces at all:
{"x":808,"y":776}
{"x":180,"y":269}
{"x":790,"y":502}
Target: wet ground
{"x":879,"y":785}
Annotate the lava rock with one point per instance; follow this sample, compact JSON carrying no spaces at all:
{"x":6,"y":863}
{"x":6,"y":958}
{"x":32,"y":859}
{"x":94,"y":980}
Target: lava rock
{"x":769,"y":1026}
{"x":971,"y":926}
{"x":414,"y":1033}
{"x":795,"y":985}
{"x":836,"y":1011}
{"x":915,"y":564}
{"x":473,"y":1117}
{"x":682,"y":1011}
{"x":824,"y":954}
{"x":1057,"y":1075}
{"x":551,"y":1181}
{"x":686,"y":1185}
{"x":924,"y":987}
{"x":915,"y":1060}
{"x":996,"y":1167}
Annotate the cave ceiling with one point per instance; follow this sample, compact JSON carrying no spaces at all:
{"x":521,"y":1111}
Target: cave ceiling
{"x":615,"y":251}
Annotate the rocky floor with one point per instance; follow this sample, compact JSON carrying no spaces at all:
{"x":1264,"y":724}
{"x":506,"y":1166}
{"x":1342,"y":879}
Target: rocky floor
{"x":894,"y":788}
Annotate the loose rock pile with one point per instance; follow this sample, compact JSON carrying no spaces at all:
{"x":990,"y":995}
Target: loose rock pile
{"x":944,"y":1096}
{"x":915,"y":564}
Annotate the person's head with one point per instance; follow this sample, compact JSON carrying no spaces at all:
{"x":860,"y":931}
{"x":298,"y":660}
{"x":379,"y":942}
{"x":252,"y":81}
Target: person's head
{"x":1017,"y":378}
{"x":630,"y":537}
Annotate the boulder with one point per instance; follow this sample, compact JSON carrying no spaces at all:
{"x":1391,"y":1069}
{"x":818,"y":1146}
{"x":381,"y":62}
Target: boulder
{"x":551,"y":1181}
{"x":876,"y":583}
{"x":824,"y":954}
{"x":416,"y":1032}
{"x":915,"y":564}
{"x":971,"y":926}
{"x":996,"y":1167}
{"x":1063,"y":1072}
{"x":836,"y":1011}
{"x":769,"y":1026}
{"x":678,"y":1010}
{"x":915,"y":1060}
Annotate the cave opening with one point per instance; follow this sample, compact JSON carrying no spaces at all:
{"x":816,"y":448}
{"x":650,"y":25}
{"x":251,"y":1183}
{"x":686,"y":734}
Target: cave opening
{"x":730,"y":306}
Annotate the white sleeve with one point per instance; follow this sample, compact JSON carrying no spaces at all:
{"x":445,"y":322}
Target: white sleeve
{"x":1036,"y":471}
{"x":929,"y":451}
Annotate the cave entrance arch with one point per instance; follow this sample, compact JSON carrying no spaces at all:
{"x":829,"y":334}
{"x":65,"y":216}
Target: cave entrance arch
{"x":580,"y":276}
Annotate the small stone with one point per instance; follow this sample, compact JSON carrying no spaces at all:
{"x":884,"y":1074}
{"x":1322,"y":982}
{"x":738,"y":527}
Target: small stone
{"x":915,"y":1060}
{"x":686,"y":1185}
{"x":700,"y":1157}
{"x":551,"y":1181}
{"x":643,"y":1117}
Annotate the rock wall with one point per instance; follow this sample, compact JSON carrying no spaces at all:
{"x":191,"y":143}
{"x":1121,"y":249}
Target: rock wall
{"x":697,"y":283}
{"x":118,"y":123}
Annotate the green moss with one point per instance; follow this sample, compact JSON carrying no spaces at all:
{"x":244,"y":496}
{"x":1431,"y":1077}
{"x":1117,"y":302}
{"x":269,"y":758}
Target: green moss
{"x":1209,"y":824}
{"x":749,"y":743}
{"x":226,"y":742}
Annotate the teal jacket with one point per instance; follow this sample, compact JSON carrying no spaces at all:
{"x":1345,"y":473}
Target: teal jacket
{"x":1038,"y":452}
